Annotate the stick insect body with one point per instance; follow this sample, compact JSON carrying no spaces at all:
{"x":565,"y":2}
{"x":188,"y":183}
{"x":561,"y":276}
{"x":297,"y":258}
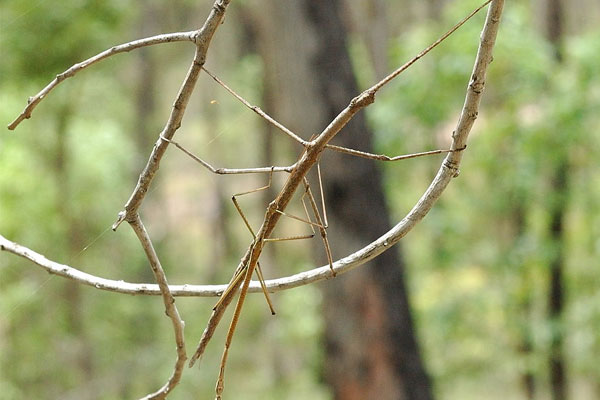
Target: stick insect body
{"x":297,"y":175}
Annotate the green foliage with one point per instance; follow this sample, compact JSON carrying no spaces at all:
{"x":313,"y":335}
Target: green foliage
{"x":53,"y":36}
{"x":477,"y":264}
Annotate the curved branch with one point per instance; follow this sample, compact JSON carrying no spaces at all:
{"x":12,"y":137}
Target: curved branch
{"x":122,"y":48}
{"x":448,"y":169}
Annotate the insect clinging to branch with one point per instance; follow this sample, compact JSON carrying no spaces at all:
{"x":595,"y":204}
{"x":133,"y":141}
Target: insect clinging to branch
{"x":241,"y":277}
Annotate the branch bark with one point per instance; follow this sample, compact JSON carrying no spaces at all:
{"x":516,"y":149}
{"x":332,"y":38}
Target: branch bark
{"x":202,"y":38}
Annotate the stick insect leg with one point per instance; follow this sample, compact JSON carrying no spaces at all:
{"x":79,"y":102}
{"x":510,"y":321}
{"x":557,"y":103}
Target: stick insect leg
{"x":236,"y":315}
{"x":322,"y":226}
{"x":319,"y":221}
{"x":233,"y":283}
{"x":259,"y":273}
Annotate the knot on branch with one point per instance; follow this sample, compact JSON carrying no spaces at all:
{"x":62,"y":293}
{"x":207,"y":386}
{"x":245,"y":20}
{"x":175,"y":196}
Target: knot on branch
{"x":364,"y":99}
{"x":219,"y":8}
{"x":452,"y":166}
{"x":476,"y":85}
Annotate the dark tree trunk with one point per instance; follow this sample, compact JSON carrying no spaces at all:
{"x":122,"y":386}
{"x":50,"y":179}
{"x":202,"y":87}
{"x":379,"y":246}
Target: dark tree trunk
{"x":371,"y":350}
{"x":370,"y":342}
{"x":558,"y":381}
{"x":525,"y":344}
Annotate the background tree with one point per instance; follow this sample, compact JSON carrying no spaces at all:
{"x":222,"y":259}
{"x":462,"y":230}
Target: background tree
{"x":371,"y":350}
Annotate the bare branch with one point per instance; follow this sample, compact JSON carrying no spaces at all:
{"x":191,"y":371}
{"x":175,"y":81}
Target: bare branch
{"x":126,"y":47}
{"x":202,"y":40}
{"x":314,"y":275}
{"x":258,"y":110}
{"x":170,"y":308}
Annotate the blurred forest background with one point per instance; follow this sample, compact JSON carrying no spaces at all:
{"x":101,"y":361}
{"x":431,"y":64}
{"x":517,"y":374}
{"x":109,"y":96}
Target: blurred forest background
{"x":501,"y":278}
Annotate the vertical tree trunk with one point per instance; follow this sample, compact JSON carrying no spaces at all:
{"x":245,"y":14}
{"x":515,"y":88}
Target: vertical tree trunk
{"x":558,"y":383}
{"x":558,"y":380}
{"x":371,"y":350}
{"x":524,"y":303}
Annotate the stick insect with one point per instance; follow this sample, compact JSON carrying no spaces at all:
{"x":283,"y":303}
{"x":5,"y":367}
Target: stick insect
{"x":312,"y":150}
{"x":245,"y":270}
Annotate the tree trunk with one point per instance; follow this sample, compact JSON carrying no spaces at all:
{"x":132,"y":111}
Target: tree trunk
{"x":523,"y":296}
{"x":371,"y":350}
{"x":558,"y":382}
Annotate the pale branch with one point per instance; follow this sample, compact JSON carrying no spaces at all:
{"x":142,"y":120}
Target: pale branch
{"x":170,"y":308}
{"x":122,"y":48}
{"x":257,"y":110}
{"x":228,"y":171}
{"x":188,"y":290}
{"x":308,"y":158}
{"x":202,"y":39}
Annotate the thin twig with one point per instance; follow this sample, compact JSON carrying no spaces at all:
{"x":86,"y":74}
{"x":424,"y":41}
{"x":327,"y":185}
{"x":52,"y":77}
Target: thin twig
{"x":126,"y":47}
{"x":258,"y":110}
{"x":447,"y":171}
{"x":170,"y":308}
